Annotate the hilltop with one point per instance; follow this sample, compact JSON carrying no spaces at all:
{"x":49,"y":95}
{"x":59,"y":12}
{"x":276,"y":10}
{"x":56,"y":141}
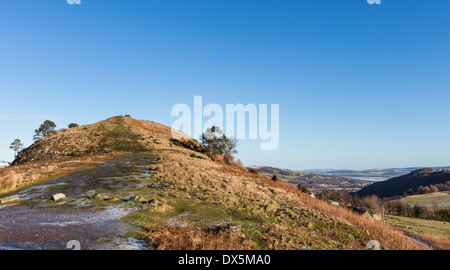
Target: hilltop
{"x":171,"y":189}
{"x":116,"y":134}
{"x":411,"y":183}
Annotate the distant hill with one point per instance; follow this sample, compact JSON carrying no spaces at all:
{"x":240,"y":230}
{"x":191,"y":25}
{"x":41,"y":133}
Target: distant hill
{"x":371,"y":174}
{"x":398,"y":185}
{"x":313,"y":181}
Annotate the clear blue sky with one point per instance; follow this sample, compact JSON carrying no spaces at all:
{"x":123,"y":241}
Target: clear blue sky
{"x":359,"y":85}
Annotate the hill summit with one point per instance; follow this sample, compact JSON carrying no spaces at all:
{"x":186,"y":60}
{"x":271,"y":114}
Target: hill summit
{"x":116,"y":134}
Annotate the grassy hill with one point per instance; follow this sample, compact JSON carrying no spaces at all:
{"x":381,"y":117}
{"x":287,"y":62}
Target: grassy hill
{"x":180,"y":198}
{"x":116,"y":134}
{"x":412,"y":181}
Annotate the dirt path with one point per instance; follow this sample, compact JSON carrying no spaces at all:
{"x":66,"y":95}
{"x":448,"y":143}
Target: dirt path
{"x":39,"y":223}
{"x":421,"y":242}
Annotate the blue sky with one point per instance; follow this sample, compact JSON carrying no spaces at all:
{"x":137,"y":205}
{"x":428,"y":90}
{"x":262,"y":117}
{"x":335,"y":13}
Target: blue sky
{"x":359,"y":86}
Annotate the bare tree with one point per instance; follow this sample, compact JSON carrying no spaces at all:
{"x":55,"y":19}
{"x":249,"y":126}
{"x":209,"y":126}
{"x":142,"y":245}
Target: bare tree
{"x":372,"y":204}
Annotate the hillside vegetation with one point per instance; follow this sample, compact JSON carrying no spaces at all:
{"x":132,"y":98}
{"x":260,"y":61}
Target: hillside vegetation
{"x":191,"y":197}
{"x":116,"y":134}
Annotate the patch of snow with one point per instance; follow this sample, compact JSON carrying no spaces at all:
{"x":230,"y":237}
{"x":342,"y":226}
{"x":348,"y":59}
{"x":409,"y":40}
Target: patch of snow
{"x":4,"y":164}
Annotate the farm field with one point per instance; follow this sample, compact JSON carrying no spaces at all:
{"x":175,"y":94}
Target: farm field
{"x":439,"y":199}
{"x":434,"y":232}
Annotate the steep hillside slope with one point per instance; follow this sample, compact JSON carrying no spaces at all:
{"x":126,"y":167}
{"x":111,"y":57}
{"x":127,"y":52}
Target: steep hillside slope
{"x":183,"y":187}
{"x":398,"y":185}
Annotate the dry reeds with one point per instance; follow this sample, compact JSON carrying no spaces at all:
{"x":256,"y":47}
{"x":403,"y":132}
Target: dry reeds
{"x":168,"y":237}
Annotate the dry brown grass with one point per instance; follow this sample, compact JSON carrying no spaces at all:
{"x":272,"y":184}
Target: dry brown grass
{"x":16,"y":177}
{"x":438,"y":241}
{"x":168,"y":237}
{"x":389,"y":237}
{"x":233,"y":187}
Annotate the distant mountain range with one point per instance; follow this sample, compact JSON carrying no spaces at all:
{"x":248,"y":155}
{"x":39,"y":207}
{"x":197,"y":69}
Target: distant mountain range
{"x":398,"y":185}
{"x":372,"y":174}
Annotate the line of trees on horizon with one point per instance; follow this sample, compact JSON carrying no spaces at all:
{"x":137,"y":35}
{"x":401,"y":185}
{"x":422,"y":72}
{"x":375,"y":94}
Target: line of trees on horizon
{"x":400,"y":208}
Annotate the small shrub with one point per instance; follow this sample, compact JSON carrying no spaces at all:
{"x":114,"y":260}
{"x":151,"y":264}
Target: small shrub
{"x":196,"y":156}
{"x":275,"y":178}
{"x":303,"y":188}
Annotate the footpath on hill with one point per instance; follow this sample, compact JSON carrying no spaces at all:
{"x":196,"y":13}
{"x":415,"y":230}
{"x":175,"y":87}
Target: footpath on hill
{"x":96,"y":200}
